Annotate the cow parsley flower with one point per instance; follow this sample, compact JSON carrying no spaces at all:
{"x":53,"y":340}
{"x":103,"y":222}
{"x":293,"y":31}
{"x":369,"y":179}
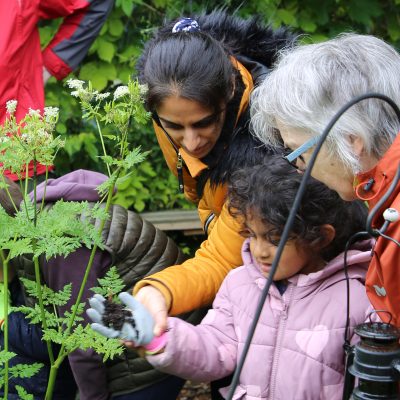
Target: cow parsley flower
{"x":11,"y":106}
{"x":121,"y":91}
{"x":75,"y":84}
{"x":51,"y":113}
{"x":102,"y":96}
{"x":33,"y":112}
{"x":143,"y":89}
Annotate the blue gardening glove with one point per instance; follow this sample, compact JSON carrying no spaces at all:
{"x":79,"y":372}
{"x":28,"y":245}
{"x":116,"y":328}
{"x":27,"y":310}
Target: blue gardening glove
{"x":137,"y":325}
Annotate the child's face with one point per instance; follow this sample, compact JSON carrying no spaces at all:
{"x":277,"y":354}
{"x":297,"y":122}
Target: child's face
{"x":294,"y":259}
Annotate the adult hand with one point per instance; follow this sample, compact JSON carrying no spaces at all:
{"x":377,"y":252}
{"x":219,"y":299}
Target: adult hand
{"x":136,"y":328}
{"x":155,"y":303}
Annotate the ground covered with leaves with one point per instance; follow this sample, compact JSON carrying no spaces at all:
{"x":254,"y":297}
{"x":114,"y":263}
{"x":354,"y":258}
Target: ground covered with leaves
{"x":195,"y":391}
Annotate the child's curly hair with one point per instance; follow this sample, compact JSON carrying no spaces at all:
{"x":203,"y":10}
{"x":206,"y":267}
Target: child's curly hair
{"x":269,"y":189}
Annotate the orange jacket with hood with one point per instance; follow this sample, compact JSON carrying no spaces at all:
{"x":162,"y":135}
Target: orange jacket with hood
{"x":220,"y":252}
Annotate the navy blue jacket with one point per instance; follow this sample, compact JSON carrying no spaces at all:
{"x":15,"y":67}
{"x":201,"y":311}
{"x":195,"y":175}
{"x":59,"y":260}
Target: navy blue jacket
{"x":24,"y":339}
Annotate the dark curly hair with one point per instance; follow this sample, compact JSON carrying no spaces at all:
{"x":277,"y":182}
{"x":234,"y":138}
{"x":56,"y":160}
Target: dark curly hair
{"x":269,"y":189}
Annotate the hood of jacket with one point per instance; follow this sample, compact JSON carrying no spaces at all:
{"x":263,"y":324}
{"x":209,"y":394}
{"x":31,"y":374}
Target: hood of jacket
{"x":79,"y":185}
{"x":358,"y":258}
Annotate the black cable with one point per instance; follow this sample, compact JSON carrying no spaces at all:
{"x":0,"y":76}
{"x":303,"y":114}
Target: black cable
{"x":289,"y":223}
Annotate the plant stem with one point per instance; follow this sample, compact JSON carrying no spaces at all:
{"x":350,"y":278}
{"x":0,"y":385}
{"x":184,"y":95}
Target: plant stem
{"x":102,"y":144}
{"x":45,"y":188}
{"x":40,"y":298}
{"x":5,"y":326}
{"x":8,"y":194}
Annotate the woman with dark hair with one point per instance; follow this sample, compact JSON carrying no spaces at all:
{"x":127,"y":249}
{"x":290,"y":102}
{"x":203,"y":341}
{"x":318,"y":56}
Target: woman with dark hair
{"x":199,"y":73}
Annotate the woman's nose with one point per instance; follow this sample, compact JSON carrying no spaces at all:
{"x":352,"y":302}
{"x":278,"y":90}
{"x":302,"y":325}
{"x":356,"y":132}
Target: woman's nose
{"x":190,"y":140}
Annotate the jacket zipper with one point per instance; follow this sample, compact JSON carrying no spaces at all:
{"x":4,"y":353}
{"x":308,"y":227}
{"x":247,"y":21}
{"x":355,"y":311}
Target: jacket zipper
{"x":179,"y":162}
{"x":279,"y":337}
{"x":209,"y":219}
{"x":179,"y":168}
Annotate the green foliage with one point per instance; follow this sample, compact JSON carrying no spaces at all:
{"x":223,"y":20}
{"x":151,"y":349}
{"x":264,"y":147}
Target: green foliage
{"x":111,"y":284}
{"x":112,"y":57}
{"x":23,"y":394}
{"x":17,"y":371}
{"x":59,"y":230}
{"x":39,"y":230}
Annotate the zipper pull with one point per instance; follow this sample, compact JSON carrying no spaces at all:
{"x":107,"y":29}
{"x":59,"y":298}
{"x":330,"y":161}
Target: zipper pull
{"x":179,"y":165}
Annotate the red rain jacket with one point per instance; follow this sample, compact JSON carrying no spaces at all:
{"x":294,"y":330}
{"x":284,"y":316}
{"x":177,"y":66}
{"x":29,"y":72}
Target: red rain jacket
{"x":21,"y":58}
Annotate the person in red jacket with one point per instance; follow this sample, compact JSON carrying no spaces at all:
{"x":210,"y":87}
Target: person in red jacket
{"x":24,"y":66}
{"x":360,"y":158}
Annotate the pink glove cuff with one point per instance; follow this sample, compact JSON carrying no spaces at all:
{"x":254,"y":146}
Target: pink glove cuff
{"x":157,"y":344}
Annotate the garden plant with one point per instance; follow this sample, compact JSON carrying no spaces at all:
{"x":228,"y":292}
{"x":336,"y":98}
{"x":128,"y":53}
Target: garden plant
{"x":37,"y":231}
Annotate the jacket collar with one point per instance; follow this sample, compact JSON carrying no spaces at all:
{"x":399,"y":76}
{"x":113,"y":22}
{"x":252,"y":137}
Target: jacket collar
{"x":358,"y":259}
{"x":381,"y":176}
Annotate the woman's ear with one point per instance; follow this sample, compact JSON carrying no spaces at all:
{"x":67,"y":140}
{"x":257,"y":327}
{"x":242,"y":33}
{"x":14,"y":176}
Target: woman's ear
{"x":357,"y":145}
{"x":328,"y":233}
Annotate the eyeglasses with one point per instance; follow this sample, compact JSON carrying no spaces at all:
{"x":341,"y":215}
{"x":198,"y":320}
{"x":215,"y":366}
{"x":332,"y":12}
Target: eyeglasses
{"x":291,"y":157}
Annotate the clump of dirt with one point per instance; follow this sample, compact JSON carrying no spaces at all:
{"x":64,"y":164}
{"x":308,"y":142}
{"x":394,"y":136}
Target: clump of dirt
{"x":115,"y":315}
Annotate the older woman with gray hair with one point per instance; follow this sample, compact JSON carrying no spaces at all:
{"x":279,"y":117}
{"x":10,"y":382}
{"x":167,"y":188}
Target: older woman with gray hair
{"x":359,"y":159}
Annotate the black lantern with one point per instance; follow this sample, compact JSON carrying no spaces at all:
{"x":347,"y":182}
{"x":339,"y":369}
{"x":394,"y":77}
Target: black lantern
{"x":375,"y":362}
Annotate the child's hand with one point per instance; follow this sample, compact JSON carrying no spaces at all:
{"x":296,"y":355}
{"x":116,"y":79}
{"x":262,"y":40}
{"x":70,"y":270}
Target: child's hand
{"x":137,"y":328}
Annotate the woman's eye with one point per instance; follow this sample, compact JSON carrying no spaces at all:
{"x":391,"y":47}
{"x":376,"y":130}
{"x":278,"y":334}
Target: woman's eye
{"x":173,"y":127}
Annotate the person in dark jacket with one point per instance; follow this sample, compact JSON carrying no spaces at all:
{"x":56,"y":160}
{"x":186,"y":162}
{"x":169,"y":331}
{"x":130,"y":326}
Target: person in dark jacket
{"x":24,"y":338}
{"x":136,"y":248}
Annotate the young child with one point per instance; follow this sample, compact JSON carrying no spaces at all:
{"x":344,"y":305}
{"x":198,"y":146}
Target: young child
{"x":297,"y":350}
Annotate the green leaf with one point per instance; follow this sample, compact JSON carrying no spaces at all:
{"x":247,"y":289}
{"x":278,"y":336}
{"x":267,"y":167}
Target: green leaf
{"x":25,"y":370}
{"x":287,"y":17}
{"x":23,"y":394}
{"x":110,"y":284}
{"x":127,"y":7}
{"x":105,"y":50}
{"x":363,"y":12}
{"x":61,"y":128}
{"x":115,"y":27}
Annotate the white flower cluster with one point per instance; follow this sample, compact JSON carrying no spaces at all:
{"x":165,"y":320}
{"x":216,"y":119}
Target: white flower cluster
{"x":121,"y":91}
{"x":33,"y":112}
{"x":40,"y":139}
{"x":102,"y":96}
{"x":143,"y":89}
{"x":11,"y":106}
{"x":51,"y":112}
{"x":75,"y":84}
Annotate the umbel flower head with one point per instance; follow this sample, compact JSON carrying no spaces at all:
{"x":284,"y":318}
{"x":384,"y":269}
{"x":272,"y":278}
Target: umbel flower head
{"x":30,"y":139}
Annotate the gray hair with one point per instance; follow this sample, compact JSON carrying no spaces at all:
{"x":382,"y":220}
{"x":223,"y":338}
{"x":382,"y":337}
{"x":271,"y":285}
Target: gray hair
{"x":310,"y":83}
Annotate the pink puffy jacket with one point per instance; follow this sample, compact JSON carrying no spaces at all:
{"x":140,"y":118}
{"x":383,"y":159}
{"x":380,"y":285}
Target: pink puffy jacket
{"x":297,"y":350}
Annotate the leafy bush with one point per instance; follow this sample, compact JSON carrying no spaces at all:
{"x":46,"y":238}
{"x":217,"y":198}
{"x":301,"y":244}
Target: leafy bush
{"x":111,"y":60}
